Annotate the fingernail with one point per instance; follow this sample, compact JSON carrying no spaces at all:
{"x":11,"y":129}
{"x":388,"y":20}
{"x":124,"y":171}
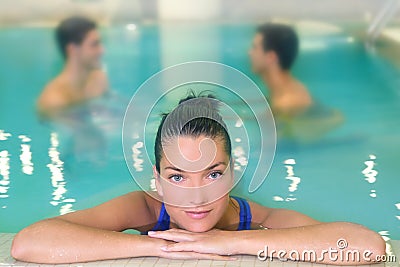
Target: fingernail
{"x":151,"y":232}
{"x":164,"y":248}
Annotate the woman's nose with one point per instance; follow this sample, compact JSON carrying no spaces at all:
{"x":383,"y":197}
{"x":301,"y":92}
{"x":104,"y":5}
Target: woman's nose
{"x":198,"y":192}
{"x":198,"y":197}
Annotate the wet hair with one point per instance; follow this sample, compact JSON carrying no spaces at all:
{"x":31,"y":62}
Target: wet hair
{"x":72,"y":30}
{"x":194,"y":116}
{"x":283,"y":40}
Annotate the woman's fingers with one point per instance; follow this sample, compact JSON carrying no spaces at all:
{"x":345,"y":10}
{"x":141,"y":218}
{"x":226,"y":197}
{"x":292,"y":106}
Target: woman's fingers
{"x":212,"y":242}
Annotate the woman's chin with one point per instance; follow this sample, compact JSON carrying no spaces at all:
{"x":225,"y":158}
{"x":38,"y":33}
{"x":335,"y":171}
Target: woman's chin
{"x":198,"y":228}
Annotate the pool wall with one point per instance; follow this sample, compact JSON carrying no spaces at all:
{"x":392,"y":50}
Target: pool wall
{"x":113,"y":11}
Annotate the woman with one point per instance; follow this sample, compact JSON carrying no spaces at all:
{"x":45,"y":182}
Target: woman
{"x":193,"y":155}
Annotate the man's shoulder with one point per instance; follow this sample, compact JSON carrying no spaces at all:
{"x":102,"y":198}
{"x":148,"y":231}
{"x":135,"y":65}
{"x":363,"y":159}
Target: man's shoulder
{"x":55,"y":88}
{"x":52,"y":96}
{"x":298,"y":93}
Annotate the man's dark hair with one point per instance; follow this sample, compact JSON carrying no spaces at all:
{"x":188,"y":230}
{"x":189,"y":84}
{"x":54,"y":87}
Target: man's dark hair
{"x":281,"y":39}
{"x":73,"y":30}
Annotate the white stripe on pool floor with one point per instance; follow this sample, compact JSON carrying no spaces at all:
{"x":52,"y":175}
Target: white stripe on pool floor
{"x":244,"y":261}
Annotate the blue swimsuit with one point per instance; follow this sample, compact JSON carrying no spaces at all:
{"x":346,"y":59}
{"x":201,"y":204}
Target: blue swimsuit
{"x":244,"y":224}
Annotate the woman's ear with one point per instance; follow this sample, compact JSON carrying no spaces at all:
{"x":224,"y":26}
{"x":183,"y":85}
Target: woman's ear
{"x":158,"y":184}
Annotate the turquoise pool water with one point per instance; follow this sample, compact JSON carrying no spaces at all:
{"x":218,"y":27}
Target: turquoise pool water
{"x":48,"y":169}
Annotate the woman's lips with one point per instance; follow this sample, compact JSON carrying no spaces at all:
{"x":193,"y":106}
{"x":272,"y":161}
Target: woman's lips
{"x":197,"y":214}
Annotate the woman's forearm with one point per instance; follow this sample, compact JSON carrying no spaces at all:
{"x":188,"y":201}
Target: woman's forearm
{"x":59,"y":241}
{"x":332,"y":243}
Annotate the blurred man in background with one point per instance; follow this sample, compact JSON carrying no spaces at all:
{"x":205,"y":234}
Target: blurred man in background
{"x":81,"y":80}
{"x":274,"y":50}
{"x":82,"y":77}
{"x":298,"y":116}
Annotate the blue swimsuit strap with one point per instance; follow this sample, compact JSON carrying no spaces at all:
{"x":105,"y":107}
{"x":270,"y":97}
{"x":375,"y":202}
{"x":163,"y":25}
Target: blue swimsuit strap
{"x":163,"y":220}
{"x":245,"y":214}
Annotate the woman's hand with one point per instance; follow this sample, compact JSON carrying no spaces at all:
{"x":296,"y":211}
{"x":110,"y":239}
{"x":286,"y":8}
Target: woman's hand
{"x":214,"y":242}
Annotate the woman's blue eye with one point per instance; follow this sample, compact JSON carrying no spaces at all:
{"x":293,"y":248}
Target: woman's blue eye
{"x":176,"y":178}
{"x":215,"y":175}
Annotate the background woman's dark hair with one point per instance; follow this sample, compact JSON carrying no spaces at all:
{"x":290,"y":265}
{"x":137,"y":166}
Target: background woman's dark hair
{"x":73,"y":30}
{"x":194,"y":116}
{"x":283,"y":40}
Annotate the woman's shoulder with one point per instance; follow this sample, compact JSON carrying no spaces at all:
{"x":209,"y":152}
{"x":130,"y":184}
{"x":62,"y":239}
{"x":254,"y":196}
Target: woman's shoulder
{"x":258,"y":212}
{"x":152,"y":202}
{"x":140,"y":207}
{"x":277,"y":217}
{"x":146,"y":199}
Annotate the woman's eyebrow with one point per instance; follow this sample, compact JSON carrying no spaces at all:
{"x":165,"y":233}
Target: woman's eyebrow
{"x":207,"y":169}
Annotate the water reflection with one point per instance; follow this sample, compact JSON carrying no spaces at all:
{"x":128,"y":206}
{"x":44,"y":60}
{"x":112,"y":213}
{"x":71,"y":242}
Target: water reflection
{"x":295,"y":181}
{"x":370,"y":174}
{"x":26,"y":155}
{"x":386,"y":236}
{"x":57,"y":178}
{"x":240,"y":159}
{"x":3,"y":135}
{"x":5,"y":173}
{"x":137,"y":157}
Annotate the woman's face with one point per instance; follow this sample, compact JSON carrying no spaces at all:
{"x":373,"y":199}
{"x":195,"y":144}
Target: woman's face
{"x":194,"y":182}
